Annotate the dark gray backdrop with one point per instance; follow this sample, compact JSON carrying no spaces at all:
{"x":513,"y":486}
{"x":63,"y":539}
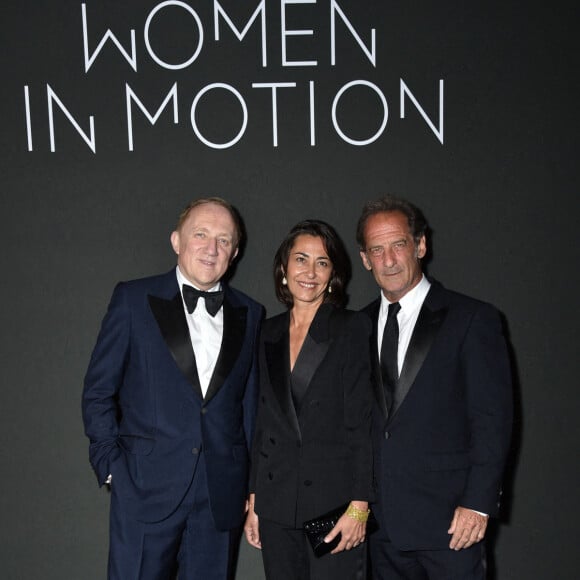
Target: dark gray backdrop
{"x":500,"y":193}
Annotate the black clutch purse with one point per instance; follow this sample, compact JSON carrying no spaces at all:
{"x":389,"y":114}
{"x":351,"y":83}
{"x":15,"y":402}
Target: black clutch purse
{"x":317,"y":529}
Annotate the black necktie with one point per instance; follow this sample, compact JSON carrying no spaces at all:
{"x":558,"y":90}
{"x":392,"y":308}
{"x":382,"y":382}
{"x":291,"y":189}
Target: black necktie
{"x":213,"y":300}
{"x":389,"y":350}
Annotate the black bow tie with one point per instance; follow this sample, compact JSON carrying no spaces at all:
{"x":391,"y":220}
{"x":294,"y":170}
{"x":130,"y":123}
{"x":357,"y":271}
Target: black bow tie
{"x":213,"y":300}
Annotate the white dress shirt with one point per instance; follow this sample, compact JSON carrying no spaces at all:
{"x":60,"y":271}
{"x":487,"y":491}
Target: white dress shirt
{"x":411,"y":304}
{"x":206,"y":333}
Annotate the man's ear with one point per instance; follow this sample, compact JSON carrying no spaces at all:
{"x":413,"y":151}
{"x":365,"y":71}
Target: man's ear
{"x":365,"y":261}
{"x":175,"y":241}
{"x":234,"y":254}
{"x":421,"y":248}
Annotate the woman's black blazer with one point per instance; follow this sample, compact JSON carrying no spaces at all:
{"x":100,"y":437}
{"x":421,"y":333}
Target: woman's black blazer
{"x":312,"y":445}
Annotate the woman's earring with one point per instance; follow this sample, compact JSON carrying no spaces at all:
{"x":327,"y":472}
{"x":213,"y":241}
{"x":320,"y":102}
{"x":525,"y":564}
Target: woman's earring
{"x":284,"y":281}
{"x":329,"y":289}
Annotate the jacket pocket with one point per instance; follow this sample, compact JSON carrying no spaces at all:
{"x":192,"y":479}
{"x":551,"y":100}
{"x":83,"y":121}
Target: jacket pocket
{"x":137,"y":444}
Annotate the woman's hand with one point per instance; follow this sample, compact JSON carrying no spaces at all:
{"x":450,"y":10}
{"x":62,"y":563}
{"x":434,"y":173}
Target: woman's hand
{"x":353,"y":531}
{"x":252,"y":525}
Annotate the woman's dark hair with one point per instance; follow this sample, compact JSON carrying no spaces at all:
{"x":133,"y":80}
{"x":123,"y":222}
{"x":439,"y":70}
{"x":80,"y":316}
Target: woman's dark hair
{"x":336,"y":252}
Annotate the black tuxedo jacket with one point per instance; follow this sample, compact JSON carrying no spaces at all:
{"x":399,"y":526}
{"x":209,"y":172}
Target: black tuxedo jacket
{"x":444,"y":442}
{"x":310,"y":460}
{"x":144,"y":412}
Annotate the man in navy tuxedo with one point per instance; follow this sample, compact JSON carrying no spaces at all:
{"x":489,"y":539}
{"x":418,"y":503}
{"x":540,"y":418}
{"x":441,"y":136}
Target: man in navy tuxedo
{"x":442,"y":423}
{"x":169,"y":404}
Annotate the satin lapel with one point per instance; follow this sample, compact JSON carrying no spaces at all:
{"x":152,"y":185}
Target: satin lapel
{"x":170,"y":318}
{"x":307,"y":363}
{"x":278,"y":361}
{"x":426,"y":328}
{"x":373,"y":311}
{"x":232,"y":341}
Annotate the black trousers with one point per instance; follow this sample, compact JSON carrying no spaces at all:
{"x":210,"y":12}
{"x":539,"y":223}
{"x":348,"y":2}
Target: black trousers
{"x":390,"y":563}
{"x":287,"y":555}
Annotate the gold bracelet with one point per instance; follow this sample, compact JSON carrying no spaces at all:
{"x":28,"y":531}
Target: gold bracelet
{"x":357,"y":514}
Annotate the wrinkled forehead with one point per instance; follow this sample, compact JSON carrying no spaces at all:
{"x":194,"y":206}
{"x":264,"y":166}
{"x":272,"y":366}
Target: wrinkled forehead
{"x":387,"y":225}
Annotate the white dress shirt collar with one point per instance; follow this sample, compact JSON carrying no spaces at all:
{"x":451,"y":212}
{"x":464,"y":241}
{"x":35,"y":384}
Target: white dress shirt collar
{"x":411,"y":301}
{"x":181,"y":280}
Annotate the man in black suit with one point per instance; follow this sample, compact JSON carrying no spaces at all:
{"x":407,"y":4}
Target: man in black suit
{"x":442,"y":423}
{"x":169,"y":403}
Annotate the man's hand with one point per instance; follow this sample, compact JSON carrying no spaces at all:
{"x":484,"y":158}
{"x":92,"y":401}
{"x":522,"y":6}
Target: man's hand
{"x":468,"y":528}
{"x":252,"y":525}
{"x":353,"y":532}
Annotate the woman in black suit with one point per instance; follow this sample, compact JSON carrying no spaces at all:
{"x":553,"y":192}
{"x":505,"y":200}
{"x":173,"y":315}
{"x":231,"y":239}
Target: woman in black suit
{"x":312,"y":447}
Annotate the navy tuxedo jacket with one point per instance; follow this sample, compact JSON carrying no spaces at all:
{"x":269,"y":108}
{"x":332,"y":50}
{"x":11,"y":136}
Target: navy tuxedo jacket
{"x":143,"y":409}
{"x":312,"y":459}
{"x":444,"y":442}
